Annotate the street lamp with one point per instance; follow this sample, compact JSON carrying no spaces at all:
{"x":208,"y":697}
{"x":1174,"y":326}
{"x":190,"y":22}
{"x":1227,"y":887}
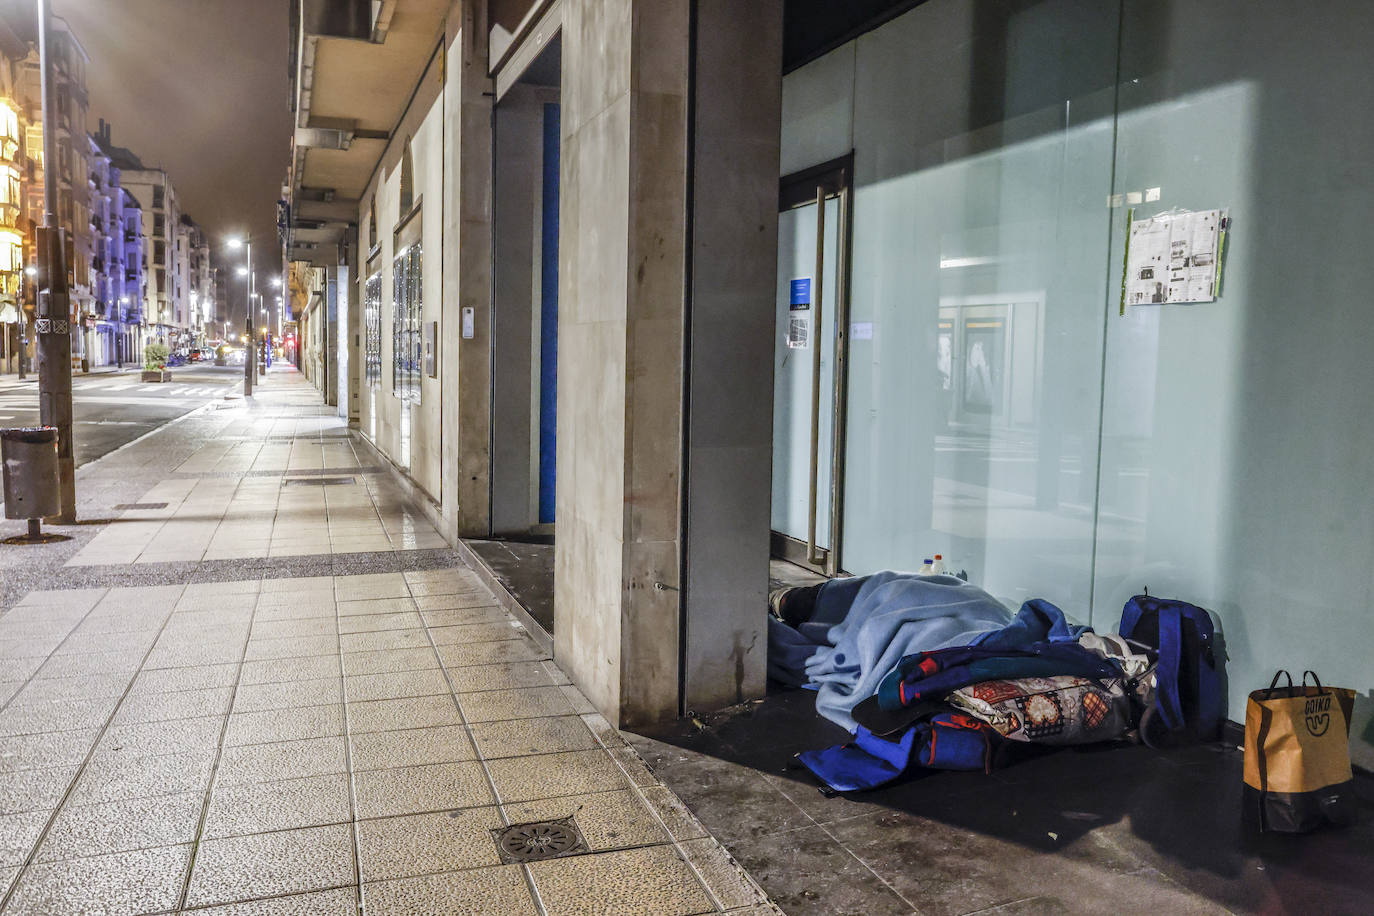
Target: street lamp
{"x":246,"y":270}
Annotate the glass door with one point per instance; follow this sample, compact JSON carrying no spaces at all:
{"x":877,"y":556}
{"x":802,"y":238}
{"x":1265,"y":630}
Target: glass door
{"x":811,"y":309}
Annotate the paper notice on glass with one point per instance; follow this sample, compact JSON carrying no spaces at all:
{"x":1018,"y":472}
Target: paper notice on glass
{"x":798,"y":331}
{"x":1147,"y":267}
{"x":1173,"y":258}
{"x":1193,"y":257}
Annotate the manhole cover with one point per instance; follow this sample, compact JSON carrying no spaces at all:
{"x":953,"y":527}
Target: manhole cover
{"x":124,"y":506}
{"x":539,"y":840}
{"x":320,"y":481}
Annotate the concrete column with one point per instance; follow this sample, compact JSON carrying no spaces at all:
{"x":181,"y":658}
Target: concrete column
{"x":737,"y":128}
{"x":466,"y":363}
{"x":624,"y":308}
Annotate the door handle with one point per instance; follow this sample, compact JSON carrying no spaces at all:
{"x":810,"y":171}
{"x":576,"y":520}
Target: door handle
{"x":817,"y":285}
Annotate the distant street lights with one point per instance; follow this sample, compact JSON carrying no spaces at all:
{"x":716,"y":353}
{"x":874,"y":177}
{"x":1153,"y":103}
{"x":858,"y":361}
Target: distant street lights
{"x":246,"y":270}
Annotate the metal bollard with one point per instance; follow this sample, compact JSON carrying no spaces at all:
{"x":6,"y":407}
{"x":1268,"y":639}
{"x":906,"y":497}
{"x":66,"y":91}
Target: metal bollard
{"x":29,"y":455}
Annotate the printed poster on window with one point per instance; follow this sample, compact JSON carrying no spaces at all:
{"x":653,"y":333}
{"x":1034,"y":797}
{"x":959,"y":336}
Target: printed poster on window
{"x":1173,"y":258}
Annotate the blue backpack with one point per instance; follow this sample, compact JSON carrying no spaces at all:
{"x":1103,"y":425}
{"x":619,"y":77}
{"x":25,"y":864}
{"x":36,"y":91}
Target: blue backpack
{"x":1187,"y":686}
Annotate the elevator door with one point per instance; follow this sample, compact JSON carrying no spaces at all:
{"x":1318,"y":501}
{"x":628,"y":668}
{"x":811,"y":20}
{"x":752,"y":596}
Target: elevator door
{"x":808,"y":368}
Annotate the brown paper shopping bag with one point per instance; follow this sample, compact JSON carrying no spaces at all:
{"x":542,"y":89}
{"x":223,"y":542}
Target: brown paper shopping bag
{"x":1297,"y":755}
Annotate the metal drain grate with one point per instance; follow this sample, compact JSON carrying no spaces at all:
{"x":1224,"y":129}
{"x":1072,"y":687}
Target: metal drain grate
{"x":539,"y":840}
{"x":319,"y":481}
{"x":127,"y":506}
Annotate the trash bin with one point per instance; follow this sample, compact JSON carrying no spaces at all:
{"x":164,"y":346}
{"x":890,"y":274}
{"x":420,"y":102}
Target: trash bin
{"x":29,"y":455}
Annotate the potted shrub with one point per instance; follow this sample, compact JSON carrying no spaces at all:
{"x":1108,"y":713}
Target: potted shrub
{"x":155,"y":362}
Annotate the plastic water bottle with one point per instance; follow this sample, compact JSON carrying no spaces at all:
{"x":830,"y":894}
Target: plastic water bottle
{"x":937,"y":566}
{"x":926,"y":567}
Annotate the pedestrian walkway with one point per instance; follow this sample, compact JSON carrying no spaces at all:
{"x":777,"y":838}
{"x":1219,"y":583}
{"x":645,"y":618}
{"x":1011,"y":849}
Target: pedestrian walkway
{"x":258,"y":683}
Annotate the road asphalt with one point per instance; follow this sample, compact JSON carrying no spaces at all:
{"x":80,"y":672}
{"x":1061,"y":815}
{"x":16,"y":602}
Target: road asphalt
{"x":112,"y":408}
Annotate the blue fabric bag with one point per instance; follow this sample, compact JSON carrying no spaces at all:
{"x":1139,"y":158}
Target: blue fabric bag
{"x":1187,"y":685}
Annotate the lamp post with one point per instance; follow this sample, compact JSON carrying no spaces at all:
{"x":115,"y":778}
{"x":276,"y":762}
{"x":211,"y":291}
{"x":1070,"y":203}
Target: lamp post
{"x":250,"y":356}
{"x":53,"y":305}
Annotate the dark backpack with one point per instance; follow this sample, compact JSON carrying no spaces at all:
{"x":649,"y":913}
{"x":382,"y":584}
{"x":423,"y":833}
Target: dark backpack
{"x":1187,"y":689}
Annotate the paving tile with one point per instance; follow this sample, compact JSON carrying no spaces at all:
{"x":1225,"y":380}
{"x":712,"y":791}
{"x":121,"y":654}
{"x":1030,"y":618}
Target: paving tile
{"x":525,"y":703}
{"x":491,"y":653}
{"x":284,"y":804}
{"x":357,"y":607}
{"x":459,"y":616}
{"x":411,"y":747}
{"x":604,"y":731}
{"x":396,"y":684}
{"x":282,"y":760}
{"x":520,"y":737}
{"x":7,"y":876}
{"x":149,"y":738}
{"x":18,"y":834}
{"x":465,"y":599}
{"x":496,"y":891}
{"x":342,"y":901}
{"x":182,"y":704}
{"x":71,"y":688}
{"x":412,"y":790}
{"x":304,"y":668}
{"x":191,"y":655}
{"x":386,"y":660}
{"x":296,"y":610}
{"x":84,"y":830}
{"x":502,"y":676}
{"x":112,"y":778}
{"x":34,"y":790}
{"x":274,"y":725}
{"x":580,"y":704}
{"x":301,"y":626}
{"x":373,"y":623}
{"x":288,"y":694}
{"x":716,"y":791}
{"x":553,"y":775}
{"x":464,"y":634}
{"x":371,"y":586}
{"x":721,"y":874}
{"x":142,"y":881}
{"x":673,"y":813}
{"x":652,"y":880}
{"x":164,"y":680}
{"x":608,"y":820}
{"x":415,"y":638}
{"x":50,"y":749}
{"x":407,"y":712}
{"x":56,"y":716}
{"x":807,"y":872}
{"x":271,"y":864}
{"x":632,"y":765}
{"x":399,"y":847}
{"x":291,"y":647}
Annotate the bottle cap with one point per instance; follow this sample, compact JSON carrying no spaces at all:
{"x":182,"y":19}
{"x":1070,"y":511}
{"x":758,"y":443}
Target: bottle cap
{"x":939,"y":556}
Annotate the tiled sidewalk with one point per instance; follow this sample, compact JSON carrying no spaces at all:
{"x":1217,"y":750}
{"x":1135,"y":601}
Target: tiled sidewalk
{"x":289,"y":733}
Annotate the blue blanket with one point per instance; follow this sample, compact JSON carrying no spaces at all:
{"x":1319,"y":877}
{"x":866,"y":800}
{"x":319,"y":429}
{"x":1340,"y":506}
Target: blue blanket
{"x":862,"y":627}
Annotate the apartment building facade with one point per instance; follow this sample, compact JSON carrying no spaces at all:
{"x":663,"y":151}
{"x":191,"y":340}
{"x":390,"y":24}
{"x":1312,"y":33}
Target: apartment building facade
{"x":692,"y":284}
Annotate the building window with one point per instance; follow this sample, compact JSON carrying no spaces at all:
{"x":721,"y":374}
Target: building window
{"x":157,"y":197}
{"x":372,"y":239}
{"x":158,"y":225}
{"x":159,"y":252}
{"x":161,"y":280}
{"x":405,"y":324}
{"x":372,"y":330}
{"x":407,"y":180}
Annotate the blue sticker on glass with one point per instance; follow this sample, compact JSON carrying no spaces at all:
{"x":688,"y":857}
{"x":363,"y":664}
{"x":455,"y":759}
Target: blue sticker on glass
{"x":801,"y":294}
